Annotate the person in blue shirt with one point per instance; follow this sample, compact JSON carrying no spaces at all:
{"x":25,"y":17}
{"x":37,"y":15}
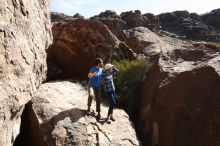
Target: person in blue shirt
{"x":94,"y":90}
{"x":110,"y":89}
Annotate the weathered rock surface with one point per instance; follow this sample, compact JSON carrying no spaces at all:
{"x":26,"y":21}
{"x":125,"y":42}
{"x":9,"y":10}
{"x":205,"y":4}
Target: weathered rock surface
{"x":25,"y":34}
{"x":180,"y":99}
{"x":112,"y":21}
{"x":77,"y":15}
{"x":108,"y":14}
{"x":212,"y":19}
{"x":134,"y":19}
{"x":60,"y":110}
{"x":78,"y":42}
{"x":183,"y":23}
{"x":143,"y":41}
{"x":57,"y":17}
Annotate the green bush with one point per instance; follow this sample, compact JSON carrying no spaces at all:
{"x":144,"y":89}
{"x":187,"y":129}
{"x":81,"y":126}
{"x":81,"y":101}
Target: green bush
{"x":128,"y":82}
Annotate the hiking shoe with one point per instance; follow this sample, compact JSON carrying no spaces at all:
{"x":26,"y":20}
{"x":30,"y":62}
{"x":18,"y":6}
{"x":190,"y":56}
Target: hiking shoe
{"x":112,"y":118}
{"x":108,"y":120}
{"x":98,"y":116}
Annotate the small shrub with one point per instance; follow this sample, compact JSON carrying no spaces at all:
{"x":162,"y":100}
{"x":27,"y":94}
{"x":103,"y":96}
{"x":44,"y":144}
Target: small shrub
{"x":128,"y":82}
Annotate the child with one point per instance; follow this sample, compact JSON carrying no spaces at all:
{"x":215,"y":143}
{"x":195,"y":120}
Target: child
{"x":110,"y":89}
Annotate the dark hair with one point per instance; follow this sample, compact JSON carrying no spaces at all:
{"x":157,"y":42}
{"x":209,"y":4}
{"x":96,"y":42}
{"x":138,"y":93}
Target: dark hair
{"x":98,"y":61}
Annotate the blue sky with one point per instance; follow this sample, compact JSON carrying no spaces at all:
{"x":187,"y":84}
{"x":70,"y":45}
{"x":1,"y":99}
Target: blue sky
{"x":90,"y":8}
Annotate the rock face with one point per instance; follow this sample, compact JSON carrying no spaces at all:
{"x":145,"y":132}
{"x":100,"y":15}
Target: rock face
{"x":212,"y":18}
{"x":25,"y":34}
{"x":57,"y":17}
{"x":60,"y":111}
{"x":78,"y":42}
{"x":77,"y":15}
{"x":134,"y":19}
{"x":142,"y":40}
{"x":112,"y":21}
{"x":182,"y":23}
{"x":180,"y":99}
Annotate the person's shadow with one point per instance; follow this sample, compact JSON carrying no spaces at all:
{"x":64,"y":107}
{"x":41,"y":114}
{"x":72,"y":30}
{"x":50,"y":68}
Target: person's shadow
{"x":74,"y":114}
{"x":92,"y":113}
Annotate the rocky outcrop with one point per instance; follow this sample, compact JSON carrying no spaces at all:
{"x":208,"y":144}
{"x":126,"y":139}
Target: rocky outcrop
{"x":78,"y":42}
{"x":182,"y":23}
{"x":108,"y":14}
{"x":60,"y":110}
{"x":180,"y":98}
{"x":189,"y":25}
{"x":57,"y":17}
{"x":77,"y":15}
{"x":143,"y":41}
{"x":25,"y":34}
{"x":212,"y":19}
{"x":134,"y":19}
{"x":112,"y":21}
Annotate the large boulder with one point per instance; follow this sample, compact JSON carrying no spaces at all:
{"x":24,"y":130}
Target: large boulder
{"x":191,"y":25}
{"x":134,"y":19}
{"x":25,"y":34}
{"x":212,"y":18}
{"x":112,"y":21}
{"x":152,"y":22}
{"x":57,"y":17}
{"x":179,"y":104}
{"x":78,"y":42}
{"x":108,"y":14}
{"x":59,"y":108}
{"x":143,"y":41}
{"x":77,"y":15}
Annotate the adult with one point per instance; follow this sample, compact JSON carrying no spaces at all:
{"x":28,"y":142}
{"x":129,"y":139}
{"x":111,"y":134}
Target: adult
{"x":94,"y":90}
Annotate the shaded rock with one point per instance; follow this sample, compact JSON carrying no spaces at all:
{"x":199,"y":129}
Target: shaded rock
{"x":201,"y":32}
{"x":25,"y":34}
{"x":152,"y":18}
{"x":212,"y":19}
{"x":152,"y":22}
{"x":78,"y":42}
{"x":133,"y":19}
{"x":182,"y":23}
{"x":184,"y":14}
{"x":77,"y":15}
{"x":167,"y":19}
{"x":195,"y":16}
{"x":57,"y":17}
{"x":189,"y":25}
{"x":180,"y":98}
{"x":128,"y":53}
{"x":112,"y":21}
{"x":60,"y":109}
{"x":108,"y":14}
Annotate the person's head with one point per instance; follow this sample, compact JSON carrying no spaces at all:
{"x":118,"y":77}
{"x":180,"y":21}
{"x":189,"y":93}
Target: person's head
{"x":108,"y":67}
{"x":98,"y":62}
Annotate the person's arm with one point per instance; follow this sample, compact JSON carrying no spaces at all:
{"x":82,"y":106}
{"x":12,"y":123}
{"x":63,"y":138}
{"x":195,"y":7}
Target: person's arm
{"x":91,"y":75}
{"x":114,"y":70}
